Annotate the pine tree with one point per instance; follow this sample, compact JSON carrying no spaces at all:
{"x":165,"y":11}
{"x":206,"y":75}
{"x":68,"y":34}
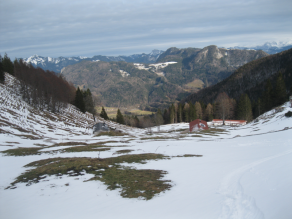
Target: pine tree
{"x":171,"y":114}
{"x":120,"y":117}
{"x":79,"y":102}
{"x":186,"y":112}
{"x":2,"y":75}
{"x":244,"y":109}
{"x":280,"y":90}
{"x":166,"y":116}
{"x":192,"y":112}
{"x":7,"y":65}
{"x":268,"y":96}
{"x":88,"y":101}
{"x":258,"y":108}
{"x":180,"y":113}
{"x":158,"y":118}
{"x":209,"y":112}
{"x":103,"y":114}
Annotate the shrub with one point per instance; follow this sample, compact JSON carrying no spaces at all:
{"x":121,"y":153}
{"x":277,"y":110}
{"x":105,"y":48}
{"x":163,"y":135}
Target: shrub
{"x":288,"y":114}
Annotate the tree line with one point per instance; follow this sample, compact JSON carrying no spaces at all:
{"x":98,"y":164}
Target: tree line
{"x":6,"y":65}
{"x":223,"y":108}
{"x":45,"y":89}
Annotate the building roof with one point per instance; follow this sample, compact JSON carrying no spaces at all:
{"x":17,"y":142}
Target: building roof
{"x":233,"y":121}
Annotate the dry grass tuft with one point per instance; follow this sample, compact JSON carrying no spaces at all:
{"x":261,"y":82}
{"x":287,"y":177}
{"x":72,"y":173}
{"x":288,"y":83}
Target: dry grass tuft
{"x":132,"y":182}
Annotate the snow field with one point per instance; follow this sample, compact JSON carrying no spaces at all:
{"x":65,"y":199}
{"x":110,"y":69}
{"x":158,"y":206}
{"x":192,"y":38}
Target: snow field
{"x":244,"y":172}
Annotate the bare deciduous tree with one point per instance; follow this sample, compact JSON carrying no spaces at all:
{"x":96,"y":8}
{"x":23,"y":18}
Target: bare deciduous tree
{"x":224,"y":107}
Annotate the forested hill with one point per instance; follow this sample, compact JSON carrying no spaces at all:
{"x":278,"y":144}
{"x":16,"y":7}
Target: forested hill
{"x":210,"y":64}
{"x":178,"y":73}
{"x":122,"y":84}
{"x":251,"y":78}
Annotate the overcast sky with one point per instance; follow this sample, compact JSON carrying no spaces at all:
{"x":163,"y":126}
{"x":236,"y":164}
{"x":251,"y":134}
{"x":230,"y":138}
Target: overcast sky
{"x":123,"y":27}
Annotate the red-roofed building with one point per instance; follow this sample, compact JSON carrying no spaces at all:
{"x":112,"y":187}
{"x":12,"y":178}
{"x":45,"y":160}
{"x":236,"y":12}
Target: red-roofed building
{"x":217,"y":122}
{"x":198,"y":124}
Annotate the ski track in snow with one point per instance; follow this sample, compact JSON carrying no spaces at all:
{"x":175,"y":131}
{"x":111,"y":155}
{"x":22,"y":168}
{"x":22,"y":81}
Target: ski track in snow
{"x":237,"y":204}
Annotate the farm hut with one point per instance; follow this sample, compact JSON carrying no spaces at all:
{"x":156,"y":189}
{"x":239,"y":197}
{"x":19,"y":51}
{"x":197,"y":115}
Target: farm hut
{"x":218,"y":122}
{"x":198,"y":124}
{"x":100,"y":127}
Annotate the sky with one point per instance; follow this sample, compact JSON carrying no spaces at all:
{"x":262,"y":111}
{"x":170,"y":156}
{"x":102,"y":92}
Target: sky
{"x":124,"y":27}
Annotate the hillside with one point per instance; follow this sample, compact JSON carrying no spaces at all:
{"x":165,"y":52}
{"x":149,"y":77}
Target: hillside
{"x":22,"y":120}
{"x":210,"y":64}
{"x":177,"y":73}
{"x":122,"y":84}
{"x":53,"y":167}
{"x":250,"y":78}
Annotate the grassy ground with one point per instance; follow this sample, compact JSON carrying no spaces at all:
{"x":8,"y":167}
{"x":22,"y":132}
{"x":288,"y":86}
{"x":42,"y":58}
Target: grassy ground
{"x":123,"y":151}
{"x":112,"y":111}
{"x":76,"y":147}
{"x":194,"y":85}
{"x":132,"y":182}
{"x":111,"y":133}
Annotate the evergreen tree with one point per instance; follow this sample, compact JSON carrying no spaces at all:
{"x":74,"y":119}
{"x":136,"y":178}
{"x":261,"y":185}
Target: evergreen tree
{"x":244,"y":109}
{"x":258,"y":108}
{"x":88,"y":101}
{"x":79,"y":102}
{"x":120,"y":117}
{"x":158,"y":118}
{"x":2,"y":75}
{"x":268,"y":96}
{"x":179,"y":113}
{"x":103,"y":114}
{"x":7,"y":65}
{"x":136,"y":121}
{"x":209,"y":112}
{"x":192,"y":112}
{"x":280,"y":90}
{"x":166,"y":116}
{"x":171,"y":114}
{"x":186,"y":112}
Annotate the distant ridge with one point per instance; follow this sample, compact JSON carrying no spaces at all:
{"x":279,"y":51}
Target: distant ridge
{"x":250,"y":78}
{"x":57,"y":64}
{"x":179,"y":73}
{"x":269,"y":47}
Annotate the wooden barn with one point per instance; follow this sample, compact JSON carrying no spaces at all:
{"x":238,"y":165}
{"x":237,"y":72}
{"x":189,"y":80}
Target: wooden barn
{"x":217,"y":122}
{"x":198,"y":124}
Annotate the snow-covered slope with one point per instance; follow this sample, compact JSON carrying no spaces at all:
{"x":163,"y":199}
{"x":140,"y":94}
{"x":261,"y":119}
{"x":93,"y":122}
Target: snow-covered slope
{"x":244,"y":172}
{"x":20,"y":119}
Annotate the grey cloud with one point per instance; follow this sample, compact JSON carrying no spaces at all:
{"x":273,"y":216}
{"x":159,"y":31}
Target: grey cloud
{"x":65,"y":28}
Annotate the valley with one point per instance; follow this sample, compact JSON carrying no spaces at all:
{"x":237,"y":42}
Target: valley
{"x":176,"y":74}
{"x":53,"y":161}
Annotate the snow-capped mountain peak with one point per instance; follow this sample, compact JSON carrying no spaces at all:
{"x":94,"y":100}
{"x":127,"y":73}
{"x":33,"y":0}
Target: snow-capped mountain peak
{"x":269,"y":47}
{"x":57,"y":64}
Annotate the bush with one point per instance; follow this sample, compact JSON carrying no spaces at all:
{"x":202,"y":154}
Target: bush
{"x":288,"y":114}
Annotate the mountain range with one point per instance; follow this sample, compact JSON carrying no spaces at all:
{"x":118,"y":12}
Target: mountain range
{"x":177,"y":74}
{"x":57,"y":64}
{"x":269,"y":47}
{"x":251,"y":79}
